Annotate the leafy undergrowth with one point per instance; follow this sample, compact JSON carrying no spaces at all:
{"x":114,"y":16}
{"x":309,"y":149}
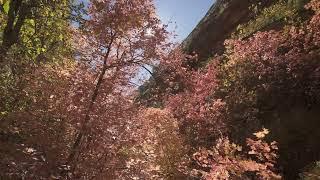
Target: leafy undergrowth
{"x":228,"y":161}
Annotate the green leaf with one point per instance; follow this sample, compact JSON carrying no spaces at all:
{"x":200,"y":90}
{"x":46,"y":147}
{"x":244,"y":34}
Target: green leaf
{"x":32,"y":22}
{"x":6,"y":6}
{"x":60,"y":37}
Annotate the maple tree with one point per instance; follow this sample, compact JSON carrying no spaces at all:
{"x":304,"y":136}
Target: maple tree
{"x":121,"y":36}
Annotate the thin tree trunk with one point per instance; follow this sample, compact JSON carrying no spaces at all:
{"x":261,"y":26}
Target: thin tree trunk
{"x":16,"y":16}
{"x":83,"y":131}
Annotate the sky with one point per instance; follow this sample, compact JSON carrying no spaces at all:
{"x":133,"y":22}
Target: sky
{"x":185,"y":13}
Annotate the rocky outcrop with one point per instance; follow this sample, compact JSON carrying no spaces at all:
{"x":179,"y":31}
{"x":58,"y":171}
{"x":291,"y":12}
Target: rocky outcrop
{"x":220,"y":21}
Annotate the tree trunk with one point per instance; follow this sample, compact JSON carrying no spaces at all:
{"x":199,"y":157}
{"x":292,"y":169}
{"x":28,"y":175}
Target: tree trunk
{"x":83,"y":131}
{"x":16,"y":15}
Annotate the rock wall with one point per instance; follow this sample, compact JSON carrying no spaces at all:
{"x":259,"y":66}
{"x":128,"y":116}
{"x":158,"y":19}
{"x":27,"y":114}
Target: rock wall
{"x":220,"y":21}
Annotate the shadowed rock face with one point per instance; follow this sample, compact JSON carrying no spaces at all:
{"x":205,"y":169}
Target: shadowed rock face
{"x":220,"y":21}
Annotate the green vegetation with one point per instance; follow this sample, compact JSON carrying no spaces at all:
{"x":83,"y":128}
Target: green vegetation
{"x":34,"y":34}
{"x":281,"y":13}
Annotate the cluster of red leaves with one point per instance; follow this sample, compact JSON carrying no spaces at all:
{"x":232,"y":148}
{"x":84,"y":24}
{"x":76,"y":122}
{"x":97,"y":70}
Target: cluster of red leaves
{"x":227,"y":160}
{"x":187,"y":92}
{"x":196,"y":108}
{"x":170,"y":77}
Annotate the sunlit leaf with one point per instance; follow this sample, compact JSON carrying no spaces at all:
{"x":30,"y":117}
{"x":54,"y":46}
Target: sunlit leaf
{"x":6,"y":6}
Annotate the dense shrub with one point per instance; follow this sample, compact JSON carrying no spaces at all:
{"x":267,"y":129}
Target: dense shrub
{"x":227,"y":160}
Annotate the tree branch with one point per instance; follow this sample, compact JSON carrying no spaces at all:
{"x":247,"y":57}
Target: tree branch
{"x":74,"y":151}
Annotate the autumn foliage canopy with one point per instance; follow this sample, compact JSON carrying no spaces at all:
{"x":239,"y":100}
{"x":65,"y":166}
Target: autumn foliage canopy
{"x":80,"y":114}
